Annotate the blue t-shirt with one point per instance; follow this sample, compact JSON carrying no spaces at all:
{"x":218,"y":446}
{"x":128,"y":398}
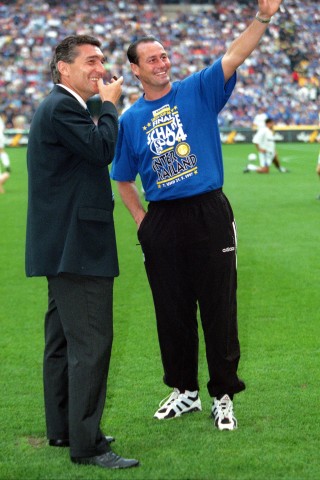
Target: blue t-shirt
{"x":173,"y":143}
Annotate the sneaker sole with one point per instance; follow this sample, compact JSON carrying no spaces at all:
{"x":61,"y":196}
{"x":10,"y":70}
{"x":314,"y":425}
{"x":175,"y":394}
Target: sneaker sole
{"x":226,"y":427}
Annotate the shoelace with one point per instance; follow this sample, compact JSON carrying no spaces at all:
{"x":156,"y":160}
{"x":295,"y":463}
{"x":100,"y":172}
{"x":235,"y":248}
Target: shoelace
{"x":226,"y":408}
{"x":168,"y":398}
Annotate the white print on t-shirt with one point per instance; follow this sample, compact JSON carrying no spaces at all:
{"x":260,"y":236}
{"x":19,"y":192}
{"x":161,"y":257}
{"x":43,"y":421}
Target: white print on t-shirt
{"x":173,"y":161}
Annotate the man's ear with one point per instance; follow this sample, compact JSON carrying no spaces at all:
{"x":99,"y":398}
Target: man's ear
{"x":134,"y":69}
{"x":63,"y":68}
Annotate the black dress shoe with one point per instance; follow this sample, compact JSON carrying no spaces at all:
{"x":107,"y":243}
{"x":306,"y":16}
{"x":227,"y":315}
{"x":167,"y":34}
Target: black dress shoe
{"x":107,"y":460}
{"x":65,"y":443}
{"x":110,"y":439}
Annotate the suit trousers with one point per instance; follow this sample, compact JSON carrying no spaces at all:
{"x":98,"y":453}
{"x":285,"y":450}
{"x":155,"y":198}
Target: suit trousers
{"x":189,"y":247}
{"x":78,"y":342}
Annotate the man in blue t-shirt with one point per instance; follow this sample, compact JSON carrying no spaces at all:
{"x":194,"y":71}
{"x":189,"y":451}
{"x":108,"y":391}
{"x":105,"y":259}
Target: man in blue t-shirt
{"x":170,"y":137}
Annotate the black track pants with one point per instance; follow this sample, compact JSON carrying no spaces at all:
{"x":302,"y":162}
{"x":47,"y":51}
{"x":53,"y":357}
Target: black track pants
{"x":189,"y":247}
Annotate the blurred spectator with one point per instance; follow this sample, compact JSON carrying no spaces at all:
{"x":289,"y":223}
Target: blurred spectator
{"x":5,"y":168}
{"x":19,"y":122}
{"x":131,"y":98}
{"x":285,"y":83}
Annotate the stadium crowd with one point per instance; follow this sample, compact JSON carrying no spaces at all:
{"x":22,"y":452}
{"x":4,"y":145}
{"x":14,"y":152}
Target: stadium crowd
{"x":281,"y":76}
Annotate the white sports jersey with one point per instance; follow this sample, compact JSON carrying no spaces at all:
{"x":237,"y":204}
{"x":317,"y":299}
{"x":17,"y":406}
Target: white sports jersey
{"x":265,"y":139}
{"x":260,"y":120}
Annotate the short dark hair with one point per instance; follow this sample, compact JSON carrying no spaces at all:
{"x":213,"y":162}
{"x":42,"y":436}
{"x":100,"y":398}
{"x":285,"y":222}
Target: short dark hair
{"x":269,"y":120}
{"x":132,"y":49}
{"x":67,"y":51}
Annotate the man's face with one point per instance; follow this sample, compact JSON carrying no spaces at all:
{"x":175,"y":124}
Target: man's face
{"x":83,"y":74}
{"x":154,"y":65}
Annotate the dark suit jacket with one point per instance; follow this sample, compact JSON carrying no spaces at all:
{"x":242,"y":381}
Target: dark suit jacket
{"x":70,"y":207}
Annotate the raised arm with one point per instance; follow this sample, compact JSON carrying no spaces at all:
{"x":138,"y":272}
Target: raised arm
{"x":244,"y":45}
{"x":130,"y":197}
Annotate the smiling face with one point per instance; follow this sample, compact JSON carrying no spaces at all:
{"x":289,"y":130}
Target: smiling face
{"x":83,"y":74}
{"x":153,"y":69}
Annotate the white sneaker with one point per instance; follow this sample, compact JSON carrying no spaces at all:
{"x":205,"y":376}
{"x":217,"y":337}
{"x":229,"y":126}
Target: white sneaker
{"x":222,"y":412}
{"x":178,"y":403}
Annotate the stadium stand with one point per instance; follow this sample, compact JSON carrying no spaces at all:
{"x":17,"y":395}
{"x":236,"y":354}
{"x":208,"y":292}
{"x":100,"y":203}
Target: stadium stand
{"x":282,"y":75}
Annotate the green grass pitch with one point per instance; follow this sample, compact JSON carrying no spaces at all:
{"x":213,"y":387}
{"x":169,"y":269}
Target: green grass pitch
{"x":278,"y":302}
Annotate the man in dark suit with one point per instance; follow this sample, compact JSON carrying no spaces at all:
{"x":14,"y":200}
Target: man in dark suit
{"x":71,"y":241}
